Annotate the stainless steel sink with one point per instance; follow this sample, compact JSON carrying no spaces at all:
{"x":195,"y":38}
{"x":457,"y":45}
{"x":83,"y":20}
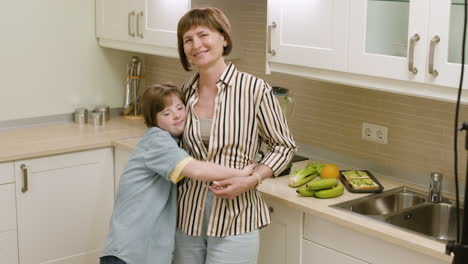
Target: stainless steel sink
{"x":408,"y":209}
{"x":436,"y":220}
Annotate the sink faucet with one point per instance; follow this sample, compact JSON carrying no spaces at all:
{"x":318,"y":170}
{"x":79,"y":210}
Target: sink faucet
{"x":435,"y":187}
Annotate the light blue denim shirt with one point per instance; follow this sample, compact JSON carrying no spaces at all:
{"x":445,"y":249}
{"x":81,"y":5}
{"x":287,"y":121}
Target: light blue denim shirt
{"x":143,"y":222}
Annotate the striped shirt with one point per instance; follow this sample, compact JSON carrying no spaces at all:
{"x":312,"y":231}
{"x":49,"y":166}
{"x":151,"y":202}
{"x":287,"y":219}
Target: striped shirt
{"x":246,"y":113}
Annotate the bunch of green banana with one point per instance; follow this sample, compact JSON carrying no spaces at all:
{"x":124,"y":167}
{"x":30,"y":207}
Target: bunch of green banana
{"x":322,"y":188}
{"x":301,"y":177}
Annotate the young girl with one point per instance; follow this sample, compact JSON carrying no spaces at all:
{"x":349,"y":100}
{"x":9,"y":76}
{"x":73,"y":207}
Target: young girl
{"x":143,"y":223}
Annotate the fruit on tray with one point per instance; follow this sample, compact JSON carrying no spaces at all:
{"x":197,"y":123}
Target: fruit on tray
{"x":363,"y":184}
{"x":330,"y":171}
{"x":330,"y":193}
{"x":310,"y":172}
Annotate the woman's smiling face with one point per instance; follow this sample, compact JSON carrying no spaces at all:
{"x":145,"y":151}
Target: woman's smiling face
{"x":204,"y":47}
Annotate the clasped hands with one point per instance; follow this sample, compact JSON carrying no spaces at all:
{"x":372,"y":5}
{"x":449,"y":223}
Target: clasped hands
{"x":233,"y":187}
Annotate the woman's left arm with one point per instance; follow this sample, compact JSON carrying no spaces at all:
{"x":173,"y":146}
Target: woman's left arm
{"x":273,"y":129}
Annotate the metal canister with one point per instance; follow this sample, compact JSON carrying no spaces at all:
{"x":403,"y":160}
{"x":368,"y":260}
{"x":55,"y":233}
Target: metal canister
{"x":81,"y":116}
{"x":105,"y":112}
{"x":96,"y":118}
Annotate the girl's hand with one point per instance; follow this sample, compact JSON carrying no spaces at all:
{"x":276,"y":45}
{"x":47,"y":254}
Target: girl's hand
{"x":232,"y":187}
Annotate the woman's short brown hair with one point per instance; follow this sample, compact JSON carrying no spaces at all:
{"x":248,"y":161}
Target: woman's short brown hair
{"x":210,"y":17}
{"x":153,"y":101}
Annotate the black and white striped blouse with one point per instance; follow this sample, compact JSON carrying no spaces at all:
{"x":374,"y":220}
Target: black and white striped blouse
{"x":246,"y":113}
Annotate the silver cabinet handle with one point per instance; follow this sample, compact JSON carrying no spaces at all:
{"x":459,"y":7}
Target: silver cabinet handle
{"x":434,"y":41}
{"x":269,"y":50}
{"x":129,"y":24}
{"x":24,"y":169}
{"x":411,"y":67}
{"x":139,"y":34}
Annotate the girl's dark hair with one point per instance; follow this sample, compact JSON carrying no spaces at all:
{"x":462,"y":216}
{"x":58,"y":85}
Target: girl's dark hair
{"x":153,"y":101}
{"x":209,"y":17}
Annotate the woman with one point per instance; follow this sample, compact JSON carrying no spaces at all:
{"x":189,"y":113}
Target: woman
{"x":229,"y":113}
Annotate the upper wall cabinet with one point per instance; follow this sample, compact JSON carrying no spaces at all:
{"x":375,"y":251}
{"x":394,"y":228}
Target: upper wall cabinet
{"x":404,"y":46}
{"x":415,"y":40}
{"x":150,"y":26}
{"x":147,"y":26}
{"x":310,"y":33}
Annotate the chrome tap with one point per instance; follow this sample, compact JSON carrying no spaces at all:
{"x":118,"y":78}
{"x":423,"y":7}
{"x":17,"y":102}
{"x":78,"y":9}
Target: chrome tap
{"x":435,"y":187}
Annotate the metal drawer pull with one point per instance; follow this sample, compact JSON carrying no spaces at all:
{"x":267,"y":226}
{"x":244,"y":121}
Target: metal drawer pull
{"x":411,"y":67}
{"x":139,"y":34}
{"x":434,"y":41}
{"x":269,"y":50}
{"x":129,"y":24}
{"x":24,"y":169}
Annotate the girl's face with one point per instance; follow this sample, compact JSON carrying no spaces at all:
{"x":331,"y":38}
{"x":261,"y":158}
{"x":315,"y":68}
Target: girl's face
{"x":172,"y":118}
{"x":203,"y":46}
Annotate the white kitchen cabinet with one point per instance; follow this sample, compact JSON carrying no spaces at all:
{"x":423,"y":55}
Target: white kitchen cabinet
{"x":315,"y":253}
{"x":280,"y":242}
{"x":147,"y":26}
{"x":8,"y":233}
{"x":338,"y":240}
{"x":64,"y":204}
{"x":150,"y":26}
{"x":446,"y":23}
{"x":392,"y":39}
{"x":310,"y":33}
{"x":8,"y":248}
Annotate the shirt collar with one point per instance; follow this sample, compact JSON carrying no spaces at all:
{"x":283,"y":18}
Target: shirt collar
{"x":226,"y":77}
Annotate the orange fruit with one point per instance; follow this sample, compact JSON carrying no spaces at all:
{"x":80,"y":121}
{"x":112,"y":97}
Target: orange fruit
{"x":330,"y":171}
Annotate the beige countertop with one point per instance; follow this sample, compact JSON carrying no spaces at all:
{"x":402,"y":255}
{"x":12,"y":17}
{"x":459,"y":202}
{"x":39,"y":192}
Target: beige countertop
{"x":24,"y":143}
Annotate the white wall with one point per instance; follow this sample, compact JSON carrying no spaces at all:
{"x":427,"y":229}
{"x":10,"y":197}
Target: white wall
{"x":50,"y":62}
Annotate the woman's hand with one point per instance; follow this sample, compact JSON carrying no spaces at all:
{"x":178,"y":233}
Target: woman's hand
{"x":233,"y":187}
{"x":248,"y":170}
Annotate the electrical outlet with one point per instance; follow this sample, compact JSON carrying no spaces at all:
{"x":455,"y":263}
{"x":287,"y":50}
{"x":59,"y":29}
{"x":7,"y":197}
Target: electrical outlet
{"x":374,"y":133}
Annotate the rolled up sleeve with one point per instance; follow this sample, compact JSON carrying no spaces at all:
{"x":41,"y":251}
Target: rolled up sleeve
{"x":164,"y":157}
{"x":275,"y":133}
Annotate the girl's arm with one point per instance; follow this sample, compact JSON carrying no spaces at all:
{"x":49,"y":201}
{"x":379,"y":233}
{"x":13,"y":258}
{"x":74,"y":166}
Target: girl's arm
{"x":208,"y":171}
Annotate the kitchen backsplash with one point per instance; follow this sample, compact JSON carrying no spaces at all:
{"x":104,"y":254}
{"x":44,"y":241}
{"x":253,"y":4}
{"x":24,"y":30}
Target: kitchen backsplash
{"x":330,"y":116}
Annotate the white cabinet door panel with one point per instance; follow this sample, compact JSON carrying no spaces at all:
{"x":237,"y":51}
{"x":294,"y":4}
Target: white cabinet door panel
{"x":160,"y":21}
{"x":64,"y":215}
{"x":311,"y":33}
{"x":8,"y":248}
{"x":7,"y":207}
{"x":117,"y":19}
{"x":7,"y":172}
{"x":315,"y":253}
{"x":373,"y":52}
{"x":280,"y":242}
{"x":446,"y":22}
{"x":359,"y":245}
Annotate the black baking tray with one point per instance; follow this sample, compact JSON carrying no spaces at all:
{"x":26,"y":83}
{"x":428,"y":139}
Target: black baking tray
{"x":351,"y":189}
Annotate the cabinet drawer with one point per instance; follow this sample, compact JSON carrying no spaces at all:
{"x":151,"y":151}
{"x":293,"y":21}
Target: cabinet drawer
{"x":315,"y":253}
{"x":7,"y":173}
{"x":7,"y":207}
{"x":8,"y":247}
{"x":359,"y":245}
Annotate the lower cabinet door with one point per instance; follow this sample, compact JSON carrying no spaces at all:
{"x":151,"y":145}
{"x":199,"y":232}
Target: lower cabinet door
{"x":315,"y":253}
{"x":280,"y":242}
{"x":64,"y":213}
{"x":8,"y":247}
